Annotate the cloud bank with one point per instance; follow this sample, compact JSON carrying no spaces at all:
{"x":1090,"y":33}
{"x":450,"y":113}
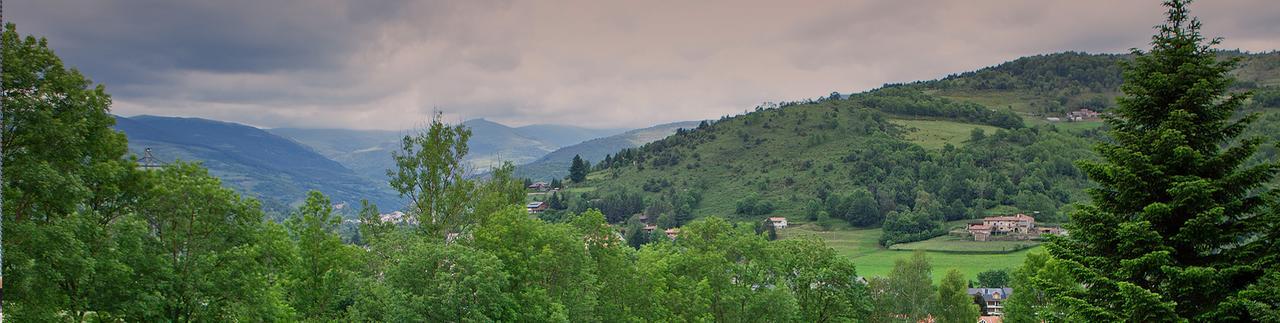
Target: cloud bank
{"x":386,"y":64}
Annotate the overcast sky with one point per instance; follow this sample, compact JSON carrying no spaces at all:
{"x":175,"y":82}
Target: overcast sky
{"x":386,"y":64}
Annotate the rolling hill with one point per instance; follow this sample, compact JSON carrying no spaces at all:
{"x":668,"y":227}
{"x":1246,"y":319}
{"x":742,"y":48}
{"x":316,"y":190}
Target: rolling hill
{"x":902,"y":156}
{"x":276,"y":170}
{"x":556,"y":163}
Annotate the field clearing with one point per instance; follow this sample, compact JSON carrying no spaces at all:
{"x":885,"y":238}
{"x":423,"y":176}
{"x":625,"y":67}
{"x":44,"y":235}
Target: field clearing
{"x":934,"y":134}
{"x":955,"y":244}
{"x":1079,"y":125}
{"x":861,"y":246}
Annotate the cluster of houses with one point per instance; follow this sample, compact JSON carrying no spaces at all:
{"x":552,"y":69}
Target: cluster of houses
{"x":1084,"y":114}
{"x":1009,"y":227}
{"x":540,"y":186}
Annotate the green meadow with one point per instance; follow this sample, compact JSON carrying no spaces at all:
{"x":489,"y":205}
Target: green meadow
{"x":873,"y":260}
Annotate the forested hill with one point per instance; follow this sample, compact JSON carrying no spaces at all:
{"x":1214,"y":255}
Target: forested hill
{"x":1052,"y":84}
{"x":276,"y":170}
{"x":906,"y":156}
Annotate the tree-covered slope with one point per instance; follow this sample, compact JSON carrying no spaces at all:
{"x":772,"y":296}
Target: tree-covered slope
{"x":555,"y":165}
{"x":1053,"y":84}
{"x":274,"y":169}
{"x":863,"y":158}
{"x":844,"y":159}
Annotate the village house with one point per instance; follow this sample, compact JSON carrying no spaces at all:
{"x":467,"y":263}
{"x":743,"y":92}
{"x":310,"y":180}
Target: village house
{"x":648,"y":228}
{"x":397,"y":217}
{"x":1083,"y":115}
{"x":778,"y":222}
{"x":990,"y":319}
{"x":1049,"y":230}
{"x":536,"y":207}
{"x":993,"y":299}
{"x":1020,"y":226}
{"x":672,"y":233}
{"x":540,"y":186}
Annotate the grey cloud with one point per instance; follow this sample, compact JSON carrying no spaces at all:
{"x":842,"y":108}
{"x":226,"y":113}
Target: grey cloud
{"x":388,"y":63}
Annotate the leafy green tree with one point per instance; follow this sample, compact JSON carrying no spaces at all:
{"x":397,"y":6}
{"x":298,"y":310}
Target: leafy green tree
{"x":995,"y":278}
{"x":70,"y":239}
{"x":1175,"y":230}
{"x":427,"y":281}
{"x":1034,"y":283}
{"x":371,"y":225}
{"x":321,"y":284}
{"x":825,"y":284}
{"x":498,"y":192}
{"x":206,"y":235}
{"x":909,"y":288}
{"x":635,"y":235}
{"x":578,"y":169}
{"x":431,"y":174}
{"x":716,"y":271}
{"x":551,"y":272}
{"x":621,"y":295}
{"x":859,"y":208}
{"x":954,"y":305}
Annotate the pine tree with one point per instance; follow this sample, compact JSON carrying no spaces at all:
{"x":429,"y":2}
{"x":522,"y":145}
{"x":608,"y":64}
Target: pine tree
{"x":1176,"y":229}
{"x":578,"y":170}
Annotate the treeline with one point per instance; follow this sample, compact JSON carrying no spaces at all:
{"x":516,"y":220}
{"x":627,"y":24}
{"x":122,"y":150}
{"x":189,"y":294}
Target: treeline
{"x":1044,"y":74}
{"x":913,"y":102}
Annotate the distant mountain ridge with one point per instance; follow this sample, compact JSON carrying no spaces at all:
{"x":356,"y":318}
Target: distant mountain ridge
{"x":556,"y":163}
{"x":276,"y":170}
{"x":368,"y":152}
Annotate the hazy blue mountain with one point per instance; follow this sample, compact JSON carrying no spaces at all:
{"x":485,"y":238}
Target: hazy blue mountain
{"x":492,"y":143}
{"x":556,"y":163}
{"x":562,"y":136}
{"x":367,"y":152}
{"x":274,"y":169}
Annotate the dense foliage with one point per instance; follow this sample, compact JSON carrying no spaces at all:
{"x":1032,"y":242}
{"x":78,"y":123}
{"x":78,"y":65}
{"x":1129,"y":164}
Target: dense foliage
{"x":913,"y":102}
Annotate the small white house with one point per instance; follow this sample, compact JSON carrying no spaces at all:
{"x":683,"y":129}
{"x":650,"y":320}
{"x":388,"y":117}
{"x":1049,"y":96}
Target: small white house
{"x":778,"y":222}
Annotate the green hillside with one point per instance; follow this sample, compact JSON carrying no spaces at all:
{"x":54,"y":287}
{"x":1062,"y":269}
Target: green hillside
{"x":1050,"y":85}
{"x":905,"y":157}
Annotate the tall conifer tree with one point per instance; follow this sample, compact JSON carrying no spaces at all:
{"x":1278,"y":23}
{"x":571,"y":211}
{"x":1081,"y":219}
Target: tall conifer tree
{"x":1177,"y":227}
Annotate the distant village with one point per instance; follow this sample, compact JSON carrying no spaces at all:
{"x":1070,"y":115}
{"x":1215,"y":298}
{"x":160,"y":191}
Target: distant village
{"x":1084,"y":114}
{"x":1016,"y":227}
{"x":1010,"y":227}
